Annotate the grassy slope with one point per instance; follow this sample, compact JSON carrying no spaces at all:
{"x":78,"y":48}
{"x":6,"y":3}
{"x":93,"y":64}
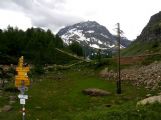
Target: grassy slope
{"x":137,"y":48}
{"x":60,"y":58}
{"x":63,"y":58}
{"x":58,"y":96}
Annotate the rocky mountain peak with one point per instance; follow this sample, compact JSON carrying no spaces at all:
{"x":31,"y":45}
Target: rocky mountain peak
{"x":155,"y":18}
{"x":152,"y":31}
{"x":90,"y":34}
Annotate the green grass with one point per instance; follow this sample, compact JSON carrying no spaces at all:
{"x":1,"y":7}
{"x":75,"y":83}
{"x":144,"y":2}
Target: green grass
{"x":151,"y":112}
{"x":150,"y":59}
{"x":58,"y":96}
{"x":62,"y":58}
{"x":137,"y":48}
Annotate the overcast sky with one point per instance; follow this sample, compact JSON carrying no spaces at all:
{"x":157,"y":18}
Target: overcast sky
{"x":132,"y":15}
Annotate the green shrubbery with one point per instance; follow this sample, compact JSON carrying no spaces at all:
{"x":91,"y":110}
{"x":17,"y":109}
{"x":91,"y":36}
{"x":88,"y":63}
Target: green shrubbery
{"x":37,"y":70}
{"x":151,"y":59}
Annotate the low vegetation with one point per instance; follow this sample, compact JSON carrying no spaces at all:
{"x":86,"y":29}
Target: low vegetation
{"x":58,"y":95}
{"x":137,"y":48}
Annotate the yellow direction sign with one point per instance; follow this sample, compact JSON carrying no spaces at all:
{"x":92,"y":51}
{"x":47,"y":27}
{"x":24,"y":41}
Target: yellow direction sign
{"x":21,"y":79}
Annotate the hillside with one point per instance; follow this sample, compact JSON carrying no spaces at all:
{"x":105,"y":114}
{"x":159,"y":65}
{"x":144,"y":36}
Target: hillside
{"x":149,"y":41}
{"x":35,"y":44}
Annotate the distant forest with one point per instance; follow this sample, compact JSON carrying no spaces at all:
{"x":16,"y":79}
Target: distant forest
{"x":36,"y":45}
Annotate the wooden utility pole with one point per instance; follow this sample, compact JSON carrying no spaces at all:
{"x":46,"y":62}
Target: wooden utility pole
{"x":119,"y":78}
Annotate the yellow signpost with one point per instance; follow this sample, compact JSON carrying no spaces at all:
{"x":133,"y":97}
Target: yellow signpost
{"x":21,"y":82}
{"x":21,"y":79}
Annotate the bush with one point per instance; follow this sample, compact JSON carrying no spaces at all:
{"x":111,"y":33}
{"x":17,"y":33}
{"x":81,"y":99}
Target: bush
{"x":151,"y":59}
{"x":110,"y":63}
{"x":38,"y":70}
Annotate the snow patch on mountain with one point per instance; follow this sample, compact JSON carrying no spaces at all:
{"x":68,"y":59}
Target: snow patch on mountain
{"x":90,"y":34}
{"x":77,"y":34}
{"x":99,"y":42}
{"x":111,"y":46}
{"x":94,"y":46}
{"x":104,"y":35}
{"x":90,"y":31}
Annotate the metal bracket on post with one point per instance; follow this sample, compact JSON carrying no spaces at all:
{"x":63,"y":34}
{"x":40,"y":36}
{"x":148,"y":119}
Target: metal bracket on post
{"x":22,"y":98}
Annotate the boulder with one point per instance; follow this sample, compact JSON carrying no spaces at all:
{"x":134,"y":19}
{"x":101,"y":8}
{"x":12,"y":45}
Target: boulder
{"x":11,"y":102}
{"x":12,"y":98}
{"x":6,"y":108}
{"x":148,"y":95}
{"x":38,"y":107}
{"x":104,"y":72}
{"x":150,"y":100}
{"x":148,"y":76}
{"x":95,"y":92}
{"x":159,"y":93}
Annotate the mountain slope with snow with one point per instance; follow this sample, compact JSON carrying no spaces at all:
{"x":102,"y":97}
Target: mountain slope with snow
{"x":91,"y":34}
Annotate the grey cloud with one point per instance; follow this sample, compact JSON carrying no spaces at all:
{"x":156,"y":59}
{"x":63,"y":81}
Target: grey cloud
{"x":26,"y":4}
{"x":8,"y":4}
{"x":42,"y":13}
{"x":54,"y":21}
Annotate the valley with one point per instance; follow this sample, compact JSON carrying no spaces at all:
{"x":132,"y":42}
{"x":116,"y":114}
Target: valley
{"x":58,"y":95}
{"x":74,"y":73}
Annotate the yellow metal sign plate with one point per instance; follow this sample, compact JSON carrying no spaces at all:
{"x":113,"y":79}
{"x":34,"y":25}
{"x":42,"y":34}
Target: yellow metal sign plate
{"x":21,"y":78}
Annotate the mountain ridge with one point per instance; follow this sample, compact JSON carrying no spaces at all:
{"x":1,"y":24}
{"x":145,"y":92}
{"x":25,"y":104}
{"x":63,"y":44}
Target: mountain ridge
{"x":149,"y":41}
{"x":92,"y":34}
{"x":152,"y":31}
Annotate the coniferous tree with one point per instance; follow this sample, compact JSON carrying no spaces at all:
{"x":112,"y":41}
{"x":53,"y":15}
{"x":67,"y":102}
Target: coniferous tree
{"x":36,"y":44}
{"x":76,"y":48}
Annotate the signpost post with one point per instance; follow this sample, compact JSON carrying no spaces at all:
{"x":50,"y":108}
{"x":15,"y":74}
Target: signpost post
{"x":22,"y":82}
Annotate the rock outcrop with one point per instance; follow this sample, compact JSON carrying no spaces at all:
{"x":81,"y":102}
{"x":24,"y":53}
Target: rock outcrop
{"x":150,"y":100}
{"x":148,"y":76}
{"x":95,"y":92}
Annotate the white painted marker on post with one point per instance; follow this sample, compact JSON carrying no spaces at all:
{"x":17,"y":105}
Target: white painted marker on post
{"x":22,"y":101}
{"x":23,"y":96}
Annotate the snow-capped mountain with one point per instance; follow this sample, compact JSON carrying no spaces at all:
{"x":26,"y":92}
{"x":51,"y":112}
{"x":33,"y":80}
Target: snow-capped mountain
{"x":91,"y":34}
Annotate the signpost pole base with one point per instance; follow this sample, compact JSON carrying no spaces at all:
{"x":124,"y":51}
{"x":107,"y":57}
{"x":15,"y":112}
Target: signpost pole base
{"x":23,"y":112}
